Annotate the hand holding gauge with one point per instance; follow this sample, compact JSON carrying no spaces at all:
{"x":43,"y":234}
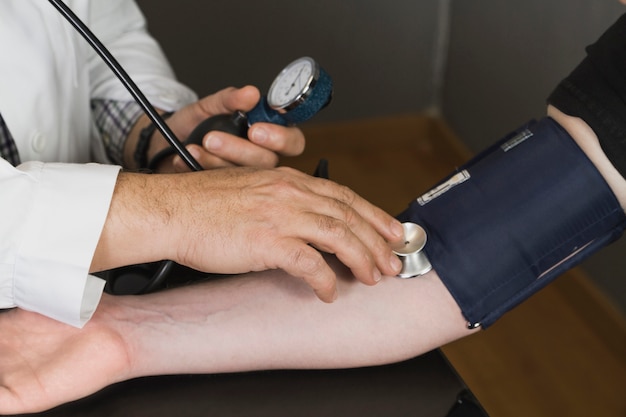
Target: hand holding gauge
{"x":299,"y":91}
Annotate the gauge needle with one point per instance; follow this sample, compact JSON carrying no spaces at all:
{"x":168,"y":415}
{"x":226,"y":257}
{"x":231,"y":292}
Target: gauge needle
{"x":293,"y":84}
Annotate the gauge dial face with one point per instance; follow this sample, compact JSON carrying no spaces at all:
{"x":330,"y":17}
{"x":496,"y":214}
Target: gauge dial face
{"x":293,"y":83}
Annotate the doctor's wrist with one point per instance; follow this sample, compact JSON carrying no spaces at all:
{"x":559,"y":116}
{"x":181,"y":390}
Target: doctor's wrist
{"x":143,"y":141}
{"x":138,"y":225}
{"x":142,"y":147}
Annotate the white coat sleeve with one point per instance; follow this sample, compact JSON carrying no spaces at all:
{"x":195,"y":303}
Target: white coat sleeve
{"x":121,"y":26}
{"x":51,"y":218}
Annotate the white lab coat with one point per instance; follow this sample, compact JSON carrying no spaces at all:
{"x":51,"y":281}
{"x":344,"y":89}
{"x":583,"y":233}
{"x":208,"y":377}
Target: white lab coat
{"x":51,"y":215}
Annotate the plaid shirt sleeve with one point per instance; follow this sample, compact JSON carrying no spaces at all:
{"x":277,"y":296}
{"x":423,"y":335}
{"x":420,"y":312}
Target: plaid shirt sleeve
{"x":114,"y":120}
{"x":8,"y":150}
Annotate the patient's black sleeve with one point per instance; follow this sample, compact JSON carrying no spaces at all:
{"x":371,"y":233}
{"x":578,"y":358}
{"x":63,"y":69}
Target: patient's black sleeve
{"x":596,"y":92}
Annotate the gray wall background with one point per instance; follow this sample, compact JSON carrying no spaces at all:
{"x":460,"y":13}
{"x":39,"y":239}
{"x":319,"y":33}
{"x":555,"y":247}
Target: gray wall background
{"x":485,"y":65}
{"x":379,"y":53}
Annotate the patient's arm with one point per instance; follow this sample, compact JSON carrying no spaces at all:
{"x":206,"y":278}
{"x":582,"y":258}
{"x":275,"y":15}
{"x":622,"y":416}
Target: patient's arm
{"x":256,"y":321}
{"x":589,"y":143}
{"x":267,"y":321}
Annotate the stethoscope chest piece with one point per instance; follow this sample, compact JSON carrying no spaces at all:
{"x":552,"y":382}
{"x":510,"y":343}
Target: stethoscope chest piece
{"x":410,"y":251}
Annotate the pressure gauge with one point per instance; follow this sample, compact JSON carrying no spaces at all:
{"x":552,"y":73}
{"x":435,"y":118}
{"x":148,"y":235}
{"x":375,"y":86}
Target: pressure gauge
{"x":297,"y":93}
{"x":293,"y":84}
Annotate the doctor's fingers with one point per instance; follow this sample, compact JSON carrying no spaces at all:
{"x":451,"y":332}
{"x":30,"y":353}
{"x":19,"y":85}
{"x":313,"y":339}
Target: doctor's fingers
{"x":285,"y":141}
{"x":336,"y":220}
{"x":339,"y":229}
{"x":225,"y":150}
{"x":267,"y":142}
{"x":302,"y":261}
{"x":226,"y":101}
{"x":350,"y":202}
{"x":295,"y":254}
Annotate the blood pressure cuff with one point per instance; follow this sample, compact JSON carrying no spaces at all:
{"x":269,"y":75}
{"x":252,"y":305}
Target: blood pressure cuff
{"x":515,"y":217}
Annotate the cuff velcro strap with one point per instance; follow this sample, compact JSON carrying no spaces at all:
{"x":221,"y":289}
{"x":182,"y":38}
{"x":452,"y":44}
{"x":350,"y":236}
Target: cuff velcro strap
{"x":514,"y":218}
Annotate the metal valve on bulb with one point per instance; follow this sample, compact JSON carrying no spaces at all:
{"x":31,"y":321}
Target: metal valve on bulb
{"x":410,"y":251}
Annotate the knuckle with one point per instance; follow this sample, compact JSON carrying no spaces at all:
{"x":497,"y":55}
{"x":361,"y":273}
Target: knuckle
{"x":292,"y":142}
{"x":288,"y":171}
{"x":324,"y":286}
{"x":345,"y":195}
{"x":271,"y":160}
{"x":284,"y":187}
{"x":347,"y":214}
{"x":309,"y":262}
{"x":333,"y":227}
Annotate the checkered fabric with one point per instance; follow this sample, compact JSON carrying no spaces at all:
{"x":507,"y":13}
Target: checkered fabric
{"x":8,"y":150}
{"x":114,"y":120}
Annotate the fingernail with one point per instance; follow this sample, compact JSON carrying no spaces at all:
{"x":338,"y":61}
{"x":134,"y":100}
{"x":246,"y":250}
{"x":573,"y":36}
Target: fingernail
{"x":212,"y":142}
{"x":397,"y":230}
{"x":261,"y":135}
{"x":377,"y":275}
{"x":194,"y":152}
{"x":395,"y":263}
{"x":177,"y":162}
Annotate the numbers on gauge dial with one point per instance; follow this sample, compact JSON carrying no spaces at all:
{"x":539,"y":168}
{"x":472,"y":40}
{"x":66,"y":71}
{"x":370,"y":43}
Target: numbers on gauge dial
{"x":291,"y":83}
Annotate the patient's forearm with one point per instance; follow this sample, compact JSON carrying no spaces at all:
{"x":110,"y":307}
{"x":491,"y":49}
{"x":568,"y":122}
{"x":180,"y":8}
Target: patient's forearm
{"x":269,"y":320}
{"x":256,"y":321}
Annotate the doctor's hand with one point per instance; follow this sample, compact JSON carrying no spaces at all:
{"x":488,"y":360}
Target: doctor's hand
{"x":267,"y":141}
{"x":236,"y":220}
